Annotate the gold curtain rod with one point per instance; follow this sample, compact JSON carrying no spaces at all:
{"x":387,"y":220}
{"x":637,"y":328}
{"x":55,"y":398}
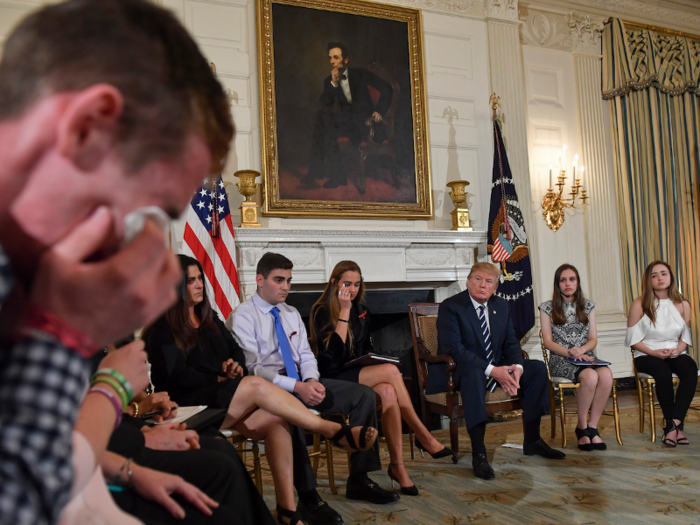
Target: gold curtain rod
{"x":657,"y":29}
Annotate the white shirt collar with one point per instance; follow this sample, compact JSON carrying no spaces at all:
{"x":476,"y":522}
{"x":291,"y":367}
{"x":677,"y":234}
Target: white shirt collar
{"x":262,"y":304}
{"x":476,"y":304}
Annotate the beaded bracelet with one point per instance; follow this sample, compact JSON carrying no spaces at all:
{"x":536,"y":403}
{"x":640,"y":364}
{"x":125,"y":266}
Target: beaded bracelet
{"x":113,"y":399}
{"x":115,"y":385}
{"x":119,"y":377}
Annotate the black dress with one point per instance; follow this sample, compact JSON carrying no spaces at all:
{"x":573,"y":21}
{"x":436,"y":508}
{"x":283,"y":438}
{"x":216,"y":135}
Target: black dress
{"x":333,"y":355}
{"x":193,"y":380}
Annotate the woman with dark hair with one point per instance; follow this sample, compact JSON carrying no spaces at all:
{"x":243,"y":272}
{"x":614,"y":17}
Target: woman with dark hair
{"x":339,"y":332}
{"x":195,"y":358}
{"x":569,"y":330}
{"x":658,"y":329}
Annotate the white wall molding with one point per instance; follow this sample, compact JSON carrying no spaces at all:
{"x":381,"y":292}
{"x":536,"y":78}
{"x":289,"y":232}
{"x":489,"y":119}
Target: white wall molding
{"x":567,"y":32}
{"x":681,"y":16}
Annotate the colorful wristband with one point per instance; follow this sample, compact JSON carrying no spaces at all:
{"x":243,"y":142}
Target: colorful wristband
{"x":115,"y":385}
{"x":113,"y":399}
{"x":119,"y":377}
{"x":67,"y":334}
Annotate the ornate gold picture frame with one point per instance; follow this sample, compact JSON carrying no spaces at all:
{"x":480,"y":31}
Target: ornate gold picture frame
{"x":343,"y":119}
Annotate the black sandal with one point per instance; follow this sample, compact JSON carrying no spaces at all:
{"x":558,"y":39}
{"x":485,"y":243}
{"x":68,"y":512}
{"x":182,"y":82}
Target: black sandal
{"x":582,"y":433}
{"x":593,"y":432}
{"x":670,"y":427}
{"x":293,"y":515}
{"x":351,"y":446}
{"x":683,"y":440}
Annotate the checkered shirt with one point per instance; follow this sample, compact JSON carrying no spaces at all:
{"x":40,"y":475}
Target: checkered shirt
{"x":42,"y":384}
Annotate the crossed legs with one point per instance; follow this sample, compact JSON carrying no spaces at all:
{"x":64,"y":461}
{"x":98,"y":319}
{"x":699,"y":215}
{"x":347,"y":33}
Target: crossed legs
{"x":593,"y":394}
{"x":386,"y":381}
{"x":271,"y":423}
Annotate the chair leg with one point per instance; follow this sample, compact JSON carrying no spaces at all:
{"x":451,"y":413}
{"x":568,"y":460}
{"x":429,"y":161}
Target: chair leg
{"x":329,"y":466}
{"x":552,"y":412}
{"x":640,"y":395}
{"x":562,"y":413}
{"x":652,"y":415}
{"x":410,"y":442}
{"x":454,"y":438}
{"x":257,"y":470}
{"x":616,"y":413}
{"x":317,"y":448}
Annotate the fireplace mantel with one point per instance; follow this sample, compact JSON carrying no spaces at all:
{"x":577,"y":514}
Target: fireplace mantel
{"x":430,"y":256}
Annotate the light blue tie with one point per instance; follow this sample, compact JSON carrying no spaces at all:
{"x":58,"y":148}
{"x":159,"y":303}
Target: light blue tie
{"x":285,"y":350}
{"x":491,"y":383}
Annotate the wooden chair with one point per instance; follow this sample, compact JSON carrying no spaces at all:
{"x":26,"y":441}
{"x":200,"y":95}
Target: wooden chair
{"x":646,"y":389}
{"x":241,"y":442}
{"x":327,"y":451}
{"x":558,"y":387}
{"x":423,"y":318}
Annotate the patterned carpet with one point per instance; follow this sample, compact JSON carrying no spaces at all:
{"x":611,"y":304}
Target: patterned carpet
{"x":640,"y":482}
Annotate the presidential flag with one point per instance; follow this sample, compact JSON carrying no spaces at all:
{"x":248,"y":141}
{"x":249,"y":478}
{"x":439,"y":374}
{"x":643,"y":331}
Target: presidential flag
{"x":507,"y":242}
{"x":209,"y":239}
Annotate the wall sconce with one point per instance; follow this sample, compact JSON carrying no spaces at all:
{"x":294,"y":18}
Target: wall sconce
{"x":554,"y":204}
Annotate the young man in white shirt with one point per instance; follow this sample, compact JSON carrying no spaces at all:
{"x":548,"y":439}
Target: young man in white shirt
{"x":254,"y":326}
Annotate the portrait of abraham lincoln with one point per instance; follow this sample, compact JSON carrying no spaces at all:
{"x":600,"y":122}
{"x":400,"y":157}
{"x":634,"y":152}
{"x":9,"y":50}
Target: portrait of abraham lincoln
{"x":344,"y":103}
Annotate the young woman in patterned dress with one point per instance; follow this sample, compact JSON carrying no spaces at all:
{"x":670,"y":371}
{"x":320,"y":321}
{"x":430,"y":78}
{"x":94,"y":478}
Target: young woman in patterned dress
{"x":569,"y":330}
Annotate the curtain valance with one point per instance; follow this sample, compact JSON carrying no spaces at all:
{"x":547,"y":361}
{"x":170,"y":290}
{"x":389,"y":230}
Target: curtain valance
{"x":636,"y":58}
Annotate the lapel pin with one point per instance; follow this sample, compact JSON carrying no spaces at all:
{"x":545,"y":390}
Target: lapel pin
{"x":494,"y":312}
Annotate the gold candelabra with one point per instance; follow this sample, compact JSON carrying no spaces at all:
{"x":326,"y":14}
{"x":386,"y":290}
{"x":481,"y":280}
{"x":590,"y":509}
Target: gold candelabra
{"x":554,"y":204}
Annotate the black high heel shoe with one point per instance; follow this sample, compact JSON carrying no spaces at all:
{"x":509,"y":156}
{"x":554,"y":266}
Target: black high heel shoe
{"x":439,"y":454}
{"x":684,"y":440}
{"x":408,"y":491}
{"x":293,"y":515}
{"x":670,"y":427}
{"x":593,"y":432}
{"x":581,"y":433}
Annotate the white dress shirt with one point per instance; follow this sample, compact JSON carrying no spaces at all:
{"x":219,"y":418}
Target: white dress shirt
{"x":253,"y":327}
{"x":345,"y":85}
{"x":488,"y":323}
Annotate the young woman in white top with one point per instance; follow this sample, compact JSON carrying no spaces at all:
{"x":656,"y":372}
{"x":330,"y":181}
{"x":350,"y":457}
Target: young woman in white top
{"x":569,"y":330}
{"x":658,"y":330}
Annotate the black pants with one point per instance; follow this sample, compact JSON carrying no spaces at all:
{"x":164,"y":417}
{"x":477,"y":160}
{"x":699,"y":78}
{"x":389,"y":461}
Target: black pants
{"x":217,"y":470}
{"x":360,"y":403}
{"x":661,"y":370}
{"x":471,"y":382}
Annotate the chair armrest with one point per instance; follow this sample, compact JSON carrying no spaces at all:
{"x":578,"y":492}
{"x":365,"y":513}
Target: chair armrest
{"x":447,"y":359}
{"x":451,"y":365}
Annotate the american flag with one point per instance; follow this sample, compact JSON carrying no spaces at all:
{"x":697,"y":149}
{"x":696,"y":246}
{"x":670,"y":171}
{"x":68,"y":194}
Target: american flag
{"x":209,"y":238}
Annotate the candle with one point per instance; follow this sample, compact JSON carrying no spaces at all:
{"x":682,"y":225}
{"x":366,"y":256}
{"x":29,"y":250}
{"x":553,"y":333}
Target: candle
{"x":550,"y":176}
{"x":563,"y":155}
{"x":573,"y":183}
{"x":559,"y":171}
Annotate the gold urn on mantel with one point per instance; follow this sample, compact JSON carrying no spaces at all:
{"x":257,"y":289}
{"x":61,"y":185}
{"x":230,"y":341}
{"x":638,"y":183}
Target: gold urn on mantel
{"x":460,"y":215}
{"x":248,"y":187}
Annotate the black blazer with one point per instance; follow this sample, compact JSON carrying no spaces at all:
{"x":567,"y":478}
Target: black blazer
{"x":459,"y":335}
{"x":361,"y":107}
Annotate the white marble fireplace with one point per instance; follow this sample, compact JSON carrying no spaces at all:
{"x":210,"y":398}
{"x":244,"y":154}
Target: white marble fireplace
{"x":435,"y":259}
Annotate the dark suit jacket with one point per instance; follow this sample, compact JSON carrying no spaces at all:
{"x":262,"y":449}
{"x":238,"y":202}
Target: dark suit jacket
{"x":361,"y":107}
{"x":459,"y":335}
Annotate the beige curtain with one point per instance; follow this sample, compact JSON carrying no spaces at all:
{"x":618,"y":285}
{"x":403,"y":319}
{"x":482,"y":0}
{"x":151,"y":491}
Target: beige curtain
{"x":653,"y":83}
